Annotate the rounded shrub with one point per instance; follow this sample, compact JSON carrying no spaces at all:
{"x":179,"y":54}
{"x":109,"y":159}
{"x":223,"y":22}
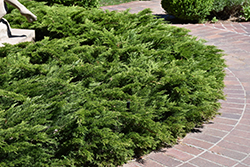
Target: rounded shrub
{"x":193,"y":10}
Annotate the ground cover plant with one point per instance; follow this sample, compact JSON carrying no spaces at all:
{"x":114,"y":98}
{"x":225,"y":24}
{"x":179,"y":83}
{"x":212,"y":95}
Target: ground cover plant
{"x":83,"y":3}
{"x":99,"y":88}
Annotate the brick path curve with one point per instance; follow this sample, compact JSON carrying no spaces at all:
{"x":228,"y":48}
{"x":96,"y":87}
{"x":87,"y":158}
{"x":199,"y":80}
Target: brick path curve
{"x":224,"y":141}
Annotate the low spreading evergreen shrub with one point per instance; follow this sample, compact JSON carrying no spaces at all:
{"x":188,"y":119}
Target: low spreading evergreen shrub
{"x":193,"y":10}
{"x":83,"y":3}
{"x":99,"y":88}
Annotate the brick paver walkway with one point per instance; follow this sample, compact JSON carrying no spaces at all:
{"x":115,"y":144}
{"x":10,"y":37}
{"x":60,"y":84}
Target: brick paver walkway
{"x":224,"y":141}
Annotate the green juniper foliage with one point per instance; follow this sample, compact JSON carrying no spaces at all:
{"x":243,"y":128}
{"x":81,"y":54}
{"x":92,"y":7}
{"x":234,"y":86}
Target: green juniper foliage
{"x":63,"y":99}
{"x":83,"y":3}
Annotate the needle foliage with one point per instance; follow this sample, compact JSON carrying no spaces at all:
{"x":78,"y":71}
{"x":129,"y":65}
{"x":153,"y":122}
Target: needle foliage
{"x":98,"y":88}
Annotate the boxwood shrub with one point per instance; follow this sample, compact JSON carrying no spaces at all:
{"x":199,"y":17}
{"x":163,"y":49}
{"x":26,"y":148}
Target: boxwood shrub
{"x":99,"y":88}
{"x":192,"y":10}
{"x":200,"y":10}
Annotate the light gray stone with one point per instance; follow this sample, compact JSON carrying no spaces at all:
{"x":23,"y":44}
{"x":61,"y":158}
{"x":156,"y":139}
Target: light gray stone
{"x":14,"y":36}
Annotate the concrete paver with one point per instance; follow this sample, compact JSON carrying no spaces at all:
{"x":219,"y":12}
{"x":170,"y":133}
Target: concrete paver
{"x":225,"y":140}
